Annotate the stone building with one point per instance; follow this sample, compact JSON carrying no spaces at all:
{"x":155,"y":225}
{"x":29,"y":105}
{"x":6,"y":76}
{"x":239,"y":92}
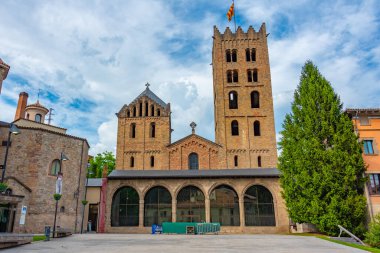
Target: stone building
{"x":367,"y":125}
{"x":35,"y":157}
{"x":4,"y":69}
{"x":233,"y":180}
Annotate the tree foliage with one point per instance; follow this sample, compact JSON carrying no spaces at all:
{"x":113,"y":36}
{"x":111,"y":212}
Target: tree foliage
{"x":321,"y":163}
{"x":372,"y":237}
{"x":97,"y":163}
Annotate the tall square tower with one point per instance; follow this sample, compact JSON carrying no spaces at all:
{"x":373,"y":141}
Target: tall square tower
{"x":243,"y":103}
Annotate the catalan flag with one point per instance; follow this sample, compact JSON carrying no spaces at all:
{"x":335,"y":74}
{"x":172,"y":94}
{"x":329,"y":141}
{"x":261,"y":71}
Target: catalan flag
{"x":230,"y":12}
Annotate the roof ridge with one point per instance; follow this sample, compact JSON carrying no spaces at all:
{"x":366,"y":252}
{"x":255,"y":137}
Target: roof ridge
{"x":150,"y":94}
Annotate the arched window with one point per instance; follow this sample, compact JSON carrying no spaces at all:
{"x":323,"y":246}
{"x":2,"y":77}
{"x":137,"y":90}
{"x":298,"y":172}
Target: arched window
{"x":55,"y":167}
{"x":234,"y":55}
{"x":234,"y":127}
{"x":193,"y":161}
{"x":224,"y":206}
{"x":125,"y":207}
{"x":235,"y":160}
{"x":152,"y":110}
{"x":252,"y":75}
{"x":128,"y":113}
{"x":140,"y":109}
{"x":132,"y":162}
{"x":229,"y":76}
{"x":134,"y":111}
{"x":153,"y":130}
{"x":235,"y":76}
{"x":228,"y":55}
{"x":247,"y":55}
{"x":258,"y":207}
{"x":146,"y":109}
{"x":133,"y":130}
{"x":158,"y":112}
{"x":27,"y":116}
{"x":233,"y":100}
{"x":255,"y":99}
{"x":259,"y":161}
{"x":38,"y":118}
{"x":253,"y":54}
{"x":190,"y":205}
{"x":157,"y":206}
{"x":256,"y":128}
{"x":152,"y":161}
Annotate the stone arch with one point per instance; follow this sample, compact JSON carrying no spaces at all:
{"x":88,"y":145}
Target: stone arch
{"x":121,"y":185}
{"x":180,"y":187}
{"x":262,"y":209}
{"x":241,"y":194}
{"x":158,"y":206}
{"x":125,"y":207}
{"x":190,"y":204}
{"x":146,"y":189}
{"x":212,"y":187}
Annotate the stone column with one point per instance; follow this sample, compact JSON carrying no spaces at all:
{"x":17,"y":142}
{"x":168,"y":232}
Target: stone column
{"x":241,"y":210}
{"x":174,"y":210}
{"x":141,"y":213}
{"x":207,"y":207}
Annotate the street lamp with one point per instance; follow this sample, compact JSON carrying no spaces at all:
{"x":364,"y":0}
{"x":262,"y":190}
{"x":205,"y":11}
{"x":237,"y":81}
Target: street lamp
{"x":85,"y":198}
{"x":12,"y":130}
{"x":58,"y":188}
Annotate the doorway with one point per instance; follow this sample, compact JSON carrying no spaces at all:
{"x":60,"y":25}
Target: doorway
{"x":93,"y":217}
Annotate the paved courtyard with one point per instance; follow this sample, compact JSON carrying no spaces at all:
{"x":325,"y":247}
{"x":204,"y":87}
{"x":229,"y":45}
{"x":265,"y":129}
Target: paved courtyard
{"x":121,"y":243}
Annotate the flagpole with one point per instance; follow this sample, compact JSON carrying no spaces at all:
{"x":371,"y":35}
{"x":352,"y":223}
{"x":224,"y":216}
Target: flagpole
{"x":234,"y":14}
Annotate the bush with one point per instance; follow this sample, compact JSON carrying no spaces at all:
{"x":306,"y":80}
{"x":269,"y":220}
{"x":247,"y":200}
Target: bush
{"x":372,"y":237}
{"x":57,"y":196}
{"x":3,"y":187}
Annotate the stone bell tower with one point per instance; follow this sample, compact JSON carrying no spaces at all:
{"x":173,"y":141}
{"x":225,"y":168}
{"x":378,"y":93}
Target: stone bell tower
{"x":243,"y":103}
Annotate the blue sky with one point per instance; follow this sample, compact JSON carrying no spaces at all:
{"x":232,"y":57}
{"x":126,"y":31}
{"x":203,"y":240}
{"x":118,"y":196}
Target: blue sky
{"x":91,"y":57}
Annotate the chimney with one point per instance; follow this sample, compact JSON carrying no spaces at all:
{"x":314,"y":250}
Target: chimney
{"x":21,"y":105}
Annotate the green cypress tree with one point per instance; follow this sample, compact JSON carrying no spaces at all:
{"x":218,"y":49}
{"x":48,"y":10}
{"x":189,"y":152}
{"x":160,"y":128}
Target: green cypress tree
{"x":321,"y":163}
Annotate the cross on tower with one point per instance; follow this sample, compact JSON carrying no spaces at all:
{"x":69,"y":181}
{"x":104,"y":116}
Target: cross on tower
{"x":193,"y":125}
{"x":147,"y":85}
{"x":38,"y":94}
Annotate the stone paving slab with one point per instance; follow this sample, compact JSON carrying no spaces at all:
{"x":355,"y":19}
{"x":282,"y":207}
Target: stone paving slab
{"x":120,"y":243}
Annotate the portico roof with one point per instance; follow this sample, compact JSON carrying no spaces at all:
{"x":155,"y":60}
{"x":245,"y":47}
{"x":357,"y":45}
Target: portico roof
{"x":221,"y":173}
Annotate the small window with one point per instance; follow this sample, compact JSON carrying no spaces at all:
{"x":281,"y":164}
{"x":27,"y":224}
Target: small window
{"x":140,"y":110}
{"x":134,"y":111}
{"x":158,"y":112}
{"x":133,"y":130}
{"x":235,"y":76}
{"x":228,"y":55}
{"x":255,"y":99}
{"x":259,"y":161}
{"x":256,"y":128}
{"x":38,"y":118}
{"x":368,"y":147}
{"x":55,"y":167}
{"x":233,"y":100}
{"x":253,"y":54}
{"x":152,"y":110}
{"x":27,"y":116}
{"x":146,"y":109}
{"x":128,"y":113}
{"x":247,"y":55}
{"x":229,"y":76}
{"x":234,"y":56}
{"x":249,"y":74}
{"x":234,"y":128}
{"x":193,"y":161}
{"x":374,"y":184}
{"x":236,"y":160}
{"x":132,"y":162}
{"x":252,"y":75}
{"x":152,"y":161}
{"x":153,"y":130}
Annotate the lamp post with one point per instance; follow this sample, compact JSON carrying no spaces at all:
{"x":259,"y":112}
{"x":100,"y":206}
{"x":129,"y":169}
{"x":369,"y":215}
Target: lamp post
{"x":58,"y":188}
{"x":85,"y":199}
{"x":12,"y":130}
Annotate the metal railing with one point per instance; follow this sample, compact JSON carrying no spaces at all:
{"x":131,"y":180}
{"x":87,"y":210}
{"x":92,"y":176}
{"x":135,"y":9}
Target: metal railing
{"x":342,"y":229}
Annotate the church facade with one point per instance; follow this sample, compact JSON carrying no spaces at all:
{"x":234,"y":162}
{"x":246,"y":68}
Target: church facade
{"x":233,"y":180}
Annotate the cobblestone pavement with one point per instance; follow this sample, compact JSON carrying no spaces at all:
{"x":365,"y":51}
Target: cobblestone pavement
{"x":117,"y":243}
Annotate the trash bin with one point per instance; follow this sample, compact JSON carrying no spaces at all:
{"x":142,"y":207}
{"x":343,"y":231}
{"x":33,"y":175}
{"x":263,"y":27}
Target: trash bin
{"x":154,"y":226}
{"x":47,"y":233}
{"x":89,"y":226}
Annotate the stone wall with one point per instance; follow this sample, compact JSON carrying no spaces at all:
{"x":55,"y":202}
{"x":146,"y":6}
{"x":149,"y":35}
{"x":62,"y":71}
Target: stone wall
{"x":29,"y":161}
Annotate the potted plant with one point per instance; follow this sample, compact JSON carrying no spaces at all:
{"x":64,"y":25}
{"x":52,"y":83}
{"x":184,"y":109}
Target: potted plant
{"x":3,"y":187}
{"x":57,"y":196}
{"x":84,"y":202}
